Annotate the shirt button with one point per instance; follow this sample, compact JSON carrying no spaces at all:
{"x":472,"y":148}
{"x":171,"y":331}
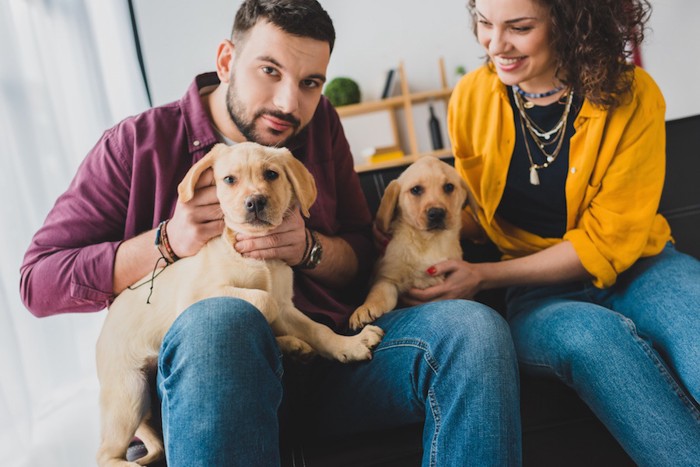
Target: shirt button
{"x":573,"y":170}
{"x":196,"y":142}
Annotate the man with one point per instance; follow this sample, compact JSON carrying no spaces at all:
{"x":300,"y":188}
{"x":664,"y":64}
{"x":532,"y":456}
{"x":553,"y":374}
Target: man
{"x":219,"y":370}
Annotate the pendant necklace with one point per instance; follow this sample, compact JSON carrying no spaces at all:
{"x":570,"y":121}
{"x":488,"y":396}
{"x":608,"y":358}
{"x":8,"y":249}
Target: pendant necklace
{"x":536,"y":133}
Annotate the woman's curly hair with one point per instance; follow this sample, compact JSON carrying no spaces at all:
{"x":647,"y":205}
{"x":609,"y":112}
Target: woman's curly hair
{"x":593,"y":42}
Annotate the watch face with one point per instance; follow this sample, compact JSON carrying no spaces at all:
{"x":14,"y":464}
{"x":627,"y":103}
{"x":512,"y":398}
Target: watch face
{"x":316,"y":252}
{"x":315,"y":256}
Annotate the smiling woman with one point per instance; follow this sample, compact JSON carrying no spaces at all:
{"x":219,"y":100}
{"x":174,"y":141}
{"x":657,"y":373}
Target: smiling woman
{"x":65,"y":75}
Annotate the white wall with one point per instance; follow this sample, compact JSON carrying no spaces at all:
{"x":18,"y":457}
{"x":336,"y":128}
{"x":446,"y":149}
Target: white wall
{"x":179,"y":40}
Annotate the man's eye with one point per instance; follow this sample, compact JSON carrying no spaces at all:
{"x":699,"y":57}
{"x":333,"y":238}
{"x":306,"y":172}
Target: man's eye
{"x":417,"y":190}
{"x":229,"y":179}
{"x":268,"y":70}
{"x":270,"y":175}
{"x":310,"y":84}
{"x":448,"y":188}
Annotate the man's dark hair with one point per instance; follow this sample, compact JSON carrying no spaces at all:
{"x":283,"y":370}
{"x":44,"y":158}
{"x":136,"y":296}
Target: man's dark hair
{"x":304,"y":18}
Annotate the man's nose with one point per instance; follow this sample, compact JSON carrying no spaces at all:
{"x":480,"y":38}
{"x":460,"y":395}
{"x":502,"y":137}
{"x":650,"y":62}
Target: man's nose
{"x":286,"y":97}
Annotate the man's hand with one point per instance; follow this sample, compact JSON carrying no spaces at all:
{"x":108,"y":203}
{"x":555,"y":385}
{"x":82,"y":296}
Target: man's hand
{"x":197,"y":221}
{"x":287,"y":242}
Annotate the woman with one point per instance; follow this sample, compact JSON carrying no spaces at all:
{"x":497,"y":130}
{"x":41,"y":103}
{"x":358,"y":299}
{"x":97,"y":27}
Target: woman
{"x":561,"y":142}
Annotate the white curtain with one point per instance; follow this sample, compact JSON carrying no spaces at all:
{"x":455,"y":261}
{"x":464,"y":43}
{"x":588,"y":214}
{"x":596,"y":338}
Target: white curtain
{"x":68,"y":71}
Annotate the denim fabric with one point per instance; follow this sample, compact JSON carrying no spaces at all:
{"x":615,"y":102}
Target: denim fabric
{"x":631,"y":352}
{"x":220,"y":384}
{"x":450,"y":363}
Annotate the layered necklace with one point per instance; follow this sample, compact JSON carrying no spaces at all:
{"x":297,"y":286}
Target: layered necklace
{"x":544,"y":139}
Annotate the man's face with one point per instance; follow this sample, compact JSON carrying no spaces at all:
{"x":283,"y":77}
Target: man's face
{"x":275,"y":83}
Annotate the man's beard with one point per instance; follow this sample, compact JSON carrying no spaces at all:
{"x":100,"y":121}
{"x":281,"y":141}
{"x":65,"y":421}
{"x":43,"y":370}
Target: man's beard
{"x":237,"y":110}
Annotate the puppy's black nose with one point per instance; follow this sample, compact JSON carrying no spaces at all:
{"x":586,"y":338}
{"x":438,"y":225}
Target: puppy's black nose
{"x":436,"y":218}
{"x":255,"y":203}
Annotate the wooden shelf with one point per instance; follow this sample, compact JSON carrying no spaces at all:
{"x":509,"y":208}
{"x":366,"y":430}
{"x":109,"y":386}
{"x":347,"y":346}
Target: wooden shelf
{"x":396,"y":101}
{"x":405,"y":160}
{"x":405,"y":101}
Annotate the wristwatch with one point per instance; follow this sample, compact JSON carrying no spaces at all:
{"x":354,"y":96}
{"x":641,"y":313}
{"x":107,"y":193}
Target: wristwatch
{"x":315,"y":254}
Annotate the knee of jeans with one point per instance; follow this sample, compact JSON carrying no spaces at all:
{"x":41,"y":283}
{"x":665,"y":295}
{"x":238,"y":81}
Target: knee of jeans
{"x":474,"y":326}
{"x":219,"y":322}
{"x":586,"y":337}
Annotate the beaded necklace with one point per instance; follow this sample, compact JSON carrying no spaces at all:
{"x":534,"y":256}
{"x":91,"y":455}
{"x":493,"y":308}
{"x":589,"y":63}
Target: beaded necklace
{"x":535,"y":95}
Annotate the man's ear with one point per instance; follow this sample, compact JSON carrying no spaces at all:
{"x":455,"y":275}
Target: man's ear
{"x":302,"y":181}
{"x":186,"y":187}
{"x":224,"y":60}
{"x":387,"y":206}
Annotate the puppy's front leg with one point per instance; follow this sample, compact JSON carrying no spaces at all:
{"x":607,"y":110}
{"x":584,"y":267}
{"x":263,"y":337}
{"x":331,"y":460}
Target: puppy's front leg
{"x":383,"y":297}
{"x":326,"y":342}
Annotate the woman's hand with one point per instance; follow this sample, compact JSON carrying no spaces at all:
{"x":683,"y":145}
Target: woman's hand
{"x":287,"y":242}
{"x":197,"y":221}
{"x":462,"y":280}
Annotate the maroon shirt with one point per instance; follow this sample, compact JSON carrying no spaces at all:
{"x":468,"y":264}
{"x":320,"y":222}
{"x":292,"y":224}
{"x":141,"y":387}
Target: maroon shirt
{"x":128,"y":183}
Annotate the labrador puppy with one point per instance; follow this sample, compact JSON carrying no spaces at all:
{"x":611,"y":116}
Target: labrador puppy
{"x":256,"y":187}
{"x":421,"y":209}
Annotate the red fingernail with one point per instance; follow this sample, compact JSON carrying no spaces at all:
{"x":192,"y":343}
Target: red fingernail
{"x":431,"y":270}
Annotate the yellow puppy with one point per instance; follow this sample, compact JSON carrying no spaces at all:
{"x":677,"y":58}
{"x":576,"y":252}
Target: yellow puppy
{"x":256,"y":186}
{"x":422,"y":210}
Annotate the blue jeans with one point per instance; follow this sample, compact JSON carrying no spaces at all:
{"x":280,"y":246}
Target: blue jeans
{"x":449,"y":364}
{"x":631,"y":352}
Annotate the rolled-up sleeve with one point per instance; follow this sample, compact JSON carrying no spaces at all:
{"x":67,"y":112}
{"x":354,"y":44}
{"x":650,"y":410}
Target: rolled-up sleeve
{"x":621,"y":223}
{"x":69,"y":265}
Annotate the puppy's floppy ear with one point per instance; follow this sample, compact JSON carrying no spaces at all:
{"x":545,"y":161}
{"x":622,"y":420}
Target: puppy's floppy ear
{"x":387,"y":206}
{"x":186,"y":187}
{"x":302,"y":181}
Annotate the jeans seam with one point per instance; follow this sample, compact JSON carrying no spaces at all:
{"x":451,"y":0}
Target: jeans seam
{"x":661,"y":367}
{"x":432,"y":400}
{"x":435,"y":410}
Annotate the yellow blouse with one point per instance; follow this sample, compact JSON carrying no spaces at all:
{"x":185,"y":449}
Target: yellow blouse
{"x":616,"y":173}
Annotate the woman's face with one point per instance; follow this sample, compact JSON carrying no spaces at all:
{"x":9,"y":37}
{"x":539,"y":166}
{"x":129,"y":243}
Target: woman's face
{"x":515,"y":34}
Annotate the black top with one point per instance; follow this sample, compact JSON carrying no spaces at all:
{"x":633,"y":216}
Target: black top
{"x":539,"y":209}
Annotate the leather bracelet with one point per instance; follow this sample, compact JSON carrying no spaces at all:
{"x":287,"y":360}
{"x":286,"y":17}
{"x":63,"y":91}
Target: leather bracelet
{"x":162,"y":240}
{"x":307,"y":249}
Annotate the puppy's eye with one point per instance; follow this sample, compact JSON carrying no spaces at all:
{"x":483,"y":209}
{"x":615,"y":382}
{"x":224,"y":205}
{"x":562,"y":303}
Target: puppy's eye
{"x":270,"y":175}
{"x":229,"y":179}
{"x":448,"y":188}
{"x":417,"y":190}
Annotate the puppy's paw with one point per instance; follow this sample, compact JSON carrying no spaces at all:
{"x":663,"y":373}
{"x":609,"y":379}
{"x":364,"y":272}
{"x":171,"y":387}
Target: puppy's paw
{"x":360,"y":346}
{"x":362,"y":316}
{"x":371,"y":336}
{"x":295,"y":348}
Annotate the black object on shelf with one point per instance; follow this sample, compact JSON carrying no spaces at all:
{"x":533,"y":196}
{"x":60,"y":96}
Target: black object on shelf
{"x":389,"y":84}
{"x":435,"y":133}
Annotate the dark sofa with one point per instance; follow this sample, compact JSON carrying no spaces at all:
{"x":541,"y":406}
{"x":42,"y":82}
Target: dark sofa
{"x":558,"y":428}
